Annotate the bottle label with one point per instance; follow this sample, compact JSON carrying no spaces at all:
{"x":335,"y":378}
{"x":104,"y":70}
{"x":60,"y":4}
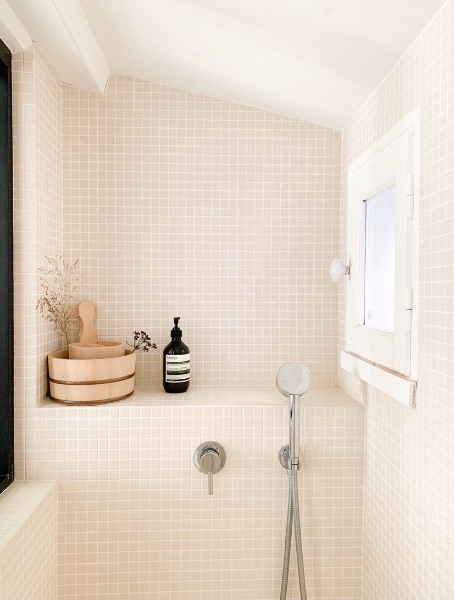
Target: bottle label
{"x":177,"y":368}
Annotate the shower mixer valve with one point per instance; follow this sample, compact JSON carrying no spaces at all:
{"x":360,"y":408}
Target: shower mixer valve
{"x":209,"y":458}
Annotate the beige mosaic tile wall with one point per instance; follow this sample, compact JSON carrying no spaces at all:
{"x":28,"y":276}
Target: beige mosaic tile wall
{"x":28,"y":542}
{"x":135,"y":520}
{"x":408,"y":549}
{"x":37,"y":226}
{"x":409,"y":485}
{"x":225,"y":215}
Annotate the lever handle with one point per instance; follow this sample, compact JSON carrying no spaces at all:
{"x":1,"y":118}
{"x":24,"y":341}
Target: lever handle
{"x":209,"y":458}
{"x":210,"y":463}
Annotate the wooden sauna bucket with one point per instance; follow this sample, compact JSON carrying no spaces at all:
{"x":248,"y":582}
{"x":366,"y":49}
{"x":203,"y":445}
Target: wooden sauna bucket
{"x":80,"y":351}
{"x":91,"y":381}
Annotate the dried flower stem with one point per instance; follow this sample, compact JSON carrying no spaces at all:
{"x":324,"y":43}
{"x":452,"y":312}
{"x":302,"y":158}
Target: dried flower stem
{"x":58,"y":302}
{"x":142,"y":341}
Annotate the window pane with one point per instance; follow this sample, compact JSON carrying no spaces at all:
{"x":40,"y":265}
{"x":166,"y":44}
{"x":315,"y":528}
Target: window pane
{"x":380,"y":260}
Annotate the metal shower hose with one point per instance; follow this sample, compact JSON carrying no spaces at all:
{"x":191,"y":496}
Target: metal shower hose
{"x":293,"y":516}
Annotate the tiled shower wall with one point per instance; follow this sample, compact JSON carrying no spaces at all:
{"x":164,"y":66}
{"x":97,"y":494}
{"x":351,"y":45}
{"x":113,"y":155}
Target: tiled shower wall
{"x":222,"y":214}
{"x":409,"y":485}
{"x":137,"y":521}
{"x":28,"y":541}
{"x":145,"y":184}
{"x":37,"y":216}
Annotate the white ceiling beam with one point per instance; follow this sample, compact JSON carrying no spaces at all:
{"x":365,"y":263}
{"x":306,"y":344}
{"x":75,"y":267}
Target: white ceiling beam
{"x":12,"y":32}
{"x":62,"y":31}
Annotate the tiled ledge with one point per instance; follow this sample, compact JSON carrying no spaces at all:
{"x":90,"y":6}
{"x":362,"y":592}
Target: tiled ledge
{"x":142,"y":396}
{"x":18,"y":502}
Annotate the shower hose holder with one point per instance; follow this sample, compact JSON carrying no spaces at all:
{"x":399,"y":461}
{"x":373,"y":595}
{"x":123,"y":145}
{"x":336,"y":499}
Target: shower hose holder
{"x":286,"y":460}
{"x":292,"y":380}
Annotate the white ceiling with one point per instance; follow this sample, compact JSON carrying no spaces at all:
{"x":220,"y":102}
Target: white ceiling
{"x":316,"y":60}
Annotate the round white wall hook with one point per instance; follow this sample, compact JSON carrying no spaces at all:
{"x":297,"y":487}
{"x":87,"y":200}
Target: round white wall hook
{"x":338,"y":269}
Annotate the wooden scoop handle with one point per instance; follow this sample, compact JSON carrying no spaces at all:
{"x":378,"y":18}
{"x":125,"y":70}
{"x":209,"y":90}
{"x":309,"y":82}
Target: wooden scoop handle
{"x":87,"y":315}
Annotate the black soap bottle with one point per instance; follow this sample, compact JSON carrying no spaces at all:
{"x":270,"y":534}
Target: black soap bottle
{"x":176,"y":363}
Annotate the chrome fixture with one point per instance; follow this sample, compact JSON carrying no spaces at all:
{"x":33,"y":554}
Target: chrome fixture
{"x":338,"y":269}
{"x":209,"y":458}
{"x":293,"y":380}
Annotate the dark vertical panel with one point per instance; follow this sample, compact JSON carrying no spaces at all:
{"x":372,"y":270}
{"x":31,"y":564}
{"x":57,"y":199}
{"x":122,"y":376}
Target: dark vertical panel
{"x":6,"y":274}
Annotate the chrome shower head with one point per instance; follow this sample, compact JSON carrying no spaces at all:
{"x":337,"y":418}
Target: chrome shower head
{"x":293,"y":379}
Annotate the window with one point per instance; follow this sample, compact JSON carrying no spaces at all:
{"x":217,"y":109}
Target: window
{"x":379,"y":260}
{"x":6,"y":273}
{"x":383,"y":253}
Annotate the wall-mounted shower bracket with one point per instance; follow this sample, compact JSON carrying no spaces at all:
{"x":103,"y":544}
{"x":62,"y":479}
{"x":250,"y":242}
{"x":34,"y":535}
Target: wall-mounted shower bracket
{"x":209,"y":458}
{"x":292,"y":380}
{"x":285,"y":460}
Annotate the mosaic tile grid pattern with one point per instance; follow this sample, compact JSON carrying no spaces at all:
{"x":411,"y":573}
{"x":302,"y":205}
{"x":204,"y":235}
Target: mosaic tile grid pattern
{"x":120,"y":468}
{"x":180,"y":204}
{"x":37,"y":216}
{"x":409,"y":502}
{"x":28,"y":542}
{"x":409,"y":491}
{"x":137,"y":521}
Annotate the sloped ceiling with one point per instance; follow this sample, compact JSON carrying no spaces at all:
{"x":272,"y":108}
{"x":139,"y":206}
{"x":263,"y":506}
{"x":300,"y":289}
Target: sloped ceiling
{"x":316,"y":60}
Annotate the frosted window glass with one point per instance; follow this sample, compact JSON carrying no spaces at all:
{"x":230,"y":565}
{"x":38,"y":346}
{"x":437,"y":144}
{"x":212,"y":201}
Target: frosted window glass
{"x":380,"y":260}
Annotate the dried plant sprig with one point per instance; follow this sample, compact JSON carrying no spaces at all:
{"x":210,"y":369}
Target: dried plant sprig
{"x":142,"y":341}
{"x":58,"y":303}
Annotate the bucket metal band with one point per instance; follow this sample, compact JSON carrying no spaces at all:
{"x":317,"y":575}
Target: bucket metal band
{"x":96,"y":382}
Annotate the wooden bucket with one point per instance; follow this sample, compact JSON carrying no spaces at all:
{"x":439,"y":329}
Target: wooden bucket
{"x":80,"y":351}
{"x":91,"y":381}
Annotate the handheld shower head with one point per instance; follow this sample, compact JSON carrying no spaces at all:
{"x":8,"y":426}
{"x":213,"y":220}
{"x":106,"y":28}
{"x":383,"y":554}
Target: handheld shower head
{"x":293,"y":379}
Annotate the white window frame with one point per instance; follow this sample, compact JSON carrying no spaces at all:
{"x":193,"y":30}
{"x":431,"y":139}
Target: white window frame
{"x":387,"y":360}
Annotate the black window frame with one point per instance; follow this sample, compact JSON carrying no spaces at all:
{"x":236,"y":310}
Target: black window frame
{"x":6,"y":273}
